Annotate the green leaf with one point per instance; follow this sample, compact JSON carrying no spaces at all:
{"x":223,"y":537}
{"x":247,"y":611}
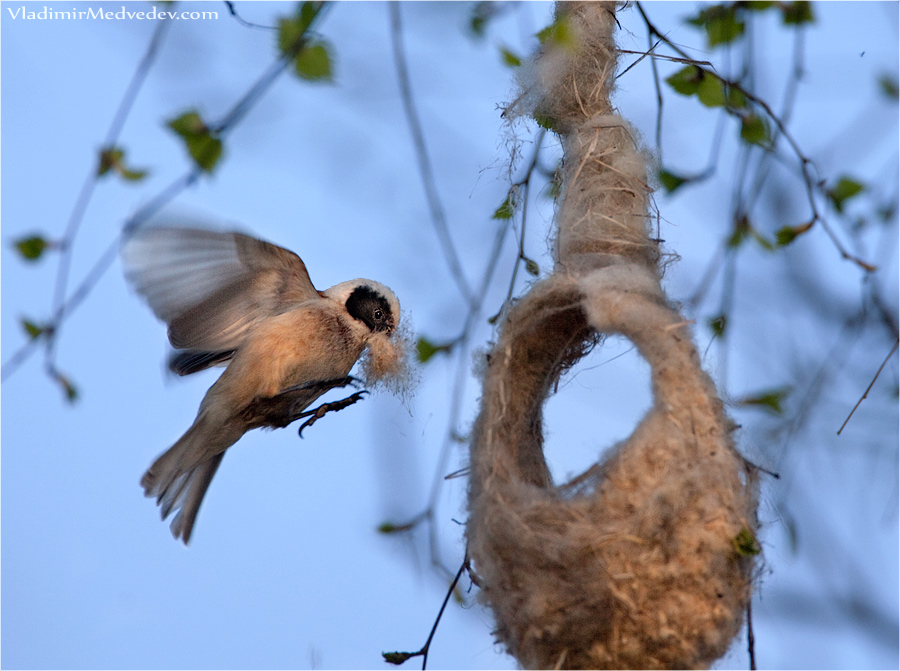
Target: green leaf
{"x":721,"y":23}
{"x":290,"y":34}
{"x":785,"y":235}
{"x":308,"y":13}
{"x":477,"y":25}
{"x":759,"y":5}
{"x":845,"y":189}
{"x":205,"y":150}
{"x":32,"y":329}
{"x":687,"y":80}
{"x":763,"y":242}
{"x":506,"y":209}
{"x":509,"y":58}
{"x":133,"y":175}
{"x":735,"y":98}
{"x":313,"y":63}
{"x":554,"y":186}
{"x":482,"y":12}
{"x":532,"y":267}
{"x":692,"y":80}
{"x":292,"y":30}
{"x":70,"y":390}
{"x":188,"y":124}
{"x":745,"y":543}
{"x":711,"y":90}
{"x":755,"y":130}
{"x":203,"y":147}
{"x":741,"y":230}
{"x":718,"y":324}
{"x":114,"y":159}
{"x":387,"y":528}
{"x":32,"y":247}
{"x":888,"y":85}
{"x":558,"y":33}
{"x":109,"y":159}
{"x":797,"y":13}
{"x":670,"y":181}
{"x":425,"y":349}
{"x":397,"y":658}
{"x":545,"y":121}
{"x":771,"y":400}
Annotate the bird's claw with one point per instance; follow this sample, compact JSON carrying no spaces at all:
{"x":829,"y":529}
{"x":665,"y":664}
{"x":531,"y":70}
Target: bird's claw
{"x":318,"y":413}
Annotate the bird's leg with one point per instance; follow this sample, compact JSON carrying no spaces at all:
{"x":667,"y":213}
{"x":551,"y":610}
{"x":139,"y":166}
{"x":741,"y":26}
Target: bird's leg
{"x":287,"y":405}
{"x":320,"y":386}
{"x":322,"y":410}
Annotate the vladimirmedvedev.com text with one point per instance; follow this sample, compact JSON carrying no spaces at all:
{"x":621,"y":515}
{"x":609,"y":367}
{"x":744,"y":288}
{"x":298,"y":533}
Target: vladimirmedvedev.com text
{"x":152,"y":14}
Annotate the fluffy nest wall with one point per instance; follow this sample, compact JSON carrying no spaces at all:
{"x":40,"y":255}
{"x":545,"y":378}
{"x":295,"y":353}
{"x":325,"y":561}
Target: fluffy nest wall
{"x":641,"y":561}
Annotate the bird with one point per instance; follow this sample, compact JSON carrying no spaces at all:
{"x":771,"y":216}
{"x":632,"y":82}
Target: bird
{"x":231,"y":299}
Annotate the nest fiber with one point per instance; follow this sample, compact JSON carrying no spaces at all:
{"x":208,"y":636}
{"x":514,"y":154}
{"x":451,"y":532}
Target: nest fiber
{"x":635,"y":563}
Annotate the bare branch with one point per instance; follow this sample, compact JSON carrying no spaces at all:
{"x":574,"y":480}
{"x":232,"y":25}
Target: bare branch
{"x":438,"y":217}
{"x":871,"y":384}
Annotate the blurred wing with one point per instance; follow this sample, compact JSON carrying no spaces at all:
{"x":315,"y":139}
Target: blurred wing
{"x":187,"y":361}
{"x":211,"y":288}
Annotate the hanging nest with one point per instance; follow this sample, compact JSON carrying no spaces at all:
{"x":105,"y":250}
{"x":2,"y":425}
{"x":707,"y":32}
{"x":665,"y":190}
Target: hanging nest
{"x":644,"y":560}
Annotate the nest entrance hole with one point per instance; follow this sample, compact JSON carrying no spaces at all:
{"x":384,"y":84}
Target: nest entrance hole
{"x":597,"y":404}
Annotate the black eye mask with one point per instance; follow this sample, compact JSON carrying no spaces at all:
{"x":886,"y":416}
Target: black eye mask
{"x":371,"y":308}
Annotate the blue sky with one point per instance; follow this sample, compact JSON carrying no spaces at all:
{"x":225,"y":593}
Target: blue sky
{"x":286,"y":568}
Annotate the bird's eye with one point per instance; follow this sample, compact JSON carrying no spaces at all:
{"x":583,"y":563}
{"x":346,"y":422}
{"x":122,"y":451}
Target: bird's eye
{"x":379,"y":315}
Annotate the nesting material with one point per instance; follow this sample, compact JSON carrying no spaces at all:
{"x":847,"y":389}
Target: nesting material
{"x":387,"y":363}
{"x":634,"y":563}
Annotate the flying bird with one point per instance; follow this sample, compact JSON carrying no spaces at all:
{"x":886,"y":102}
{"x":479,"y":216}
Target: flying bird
{"x":230,"y":299}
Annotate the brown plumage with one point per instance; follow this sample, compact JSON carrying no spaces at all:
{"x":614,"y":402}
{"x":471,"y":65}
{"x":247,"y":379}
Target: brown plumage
{"x":228,"y":298}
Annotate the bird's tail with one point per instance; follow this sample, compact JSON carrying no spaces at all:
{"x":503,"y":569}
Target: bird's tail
{"x":181,"y":475}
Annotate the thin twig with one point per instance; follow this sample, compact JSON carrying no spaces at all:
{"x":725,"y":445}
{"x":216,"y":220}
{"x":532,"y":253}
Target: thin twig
{"x":438,"y":217}
{"x":18,"y":358}
{"x":871,"y":384}
{"x":437,"y":621}
{"x":643,"y":55}
{"x":242,"y":21}
{"x":525,"y":185}
{"x":239,"y":110}
{"x":787,"y":110}
{"x":751,"y":640}
{"x":400,"y":657}
{"x":229,"y":121}
{"x":662,"y":57}
{"x":812,"y":184}
{"x":66,"y":244}
{"x":725,"y":310}
{"x":460,"y":346}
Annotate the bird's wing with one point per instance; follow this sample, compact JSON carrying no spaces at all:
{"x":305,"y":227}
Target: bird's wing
{"x":187,"y":361}
{"x":212,"y":287}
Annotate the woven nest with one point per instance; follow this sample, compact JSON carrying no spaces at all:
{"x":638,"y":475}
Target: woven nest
{"x":638,"y":562}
